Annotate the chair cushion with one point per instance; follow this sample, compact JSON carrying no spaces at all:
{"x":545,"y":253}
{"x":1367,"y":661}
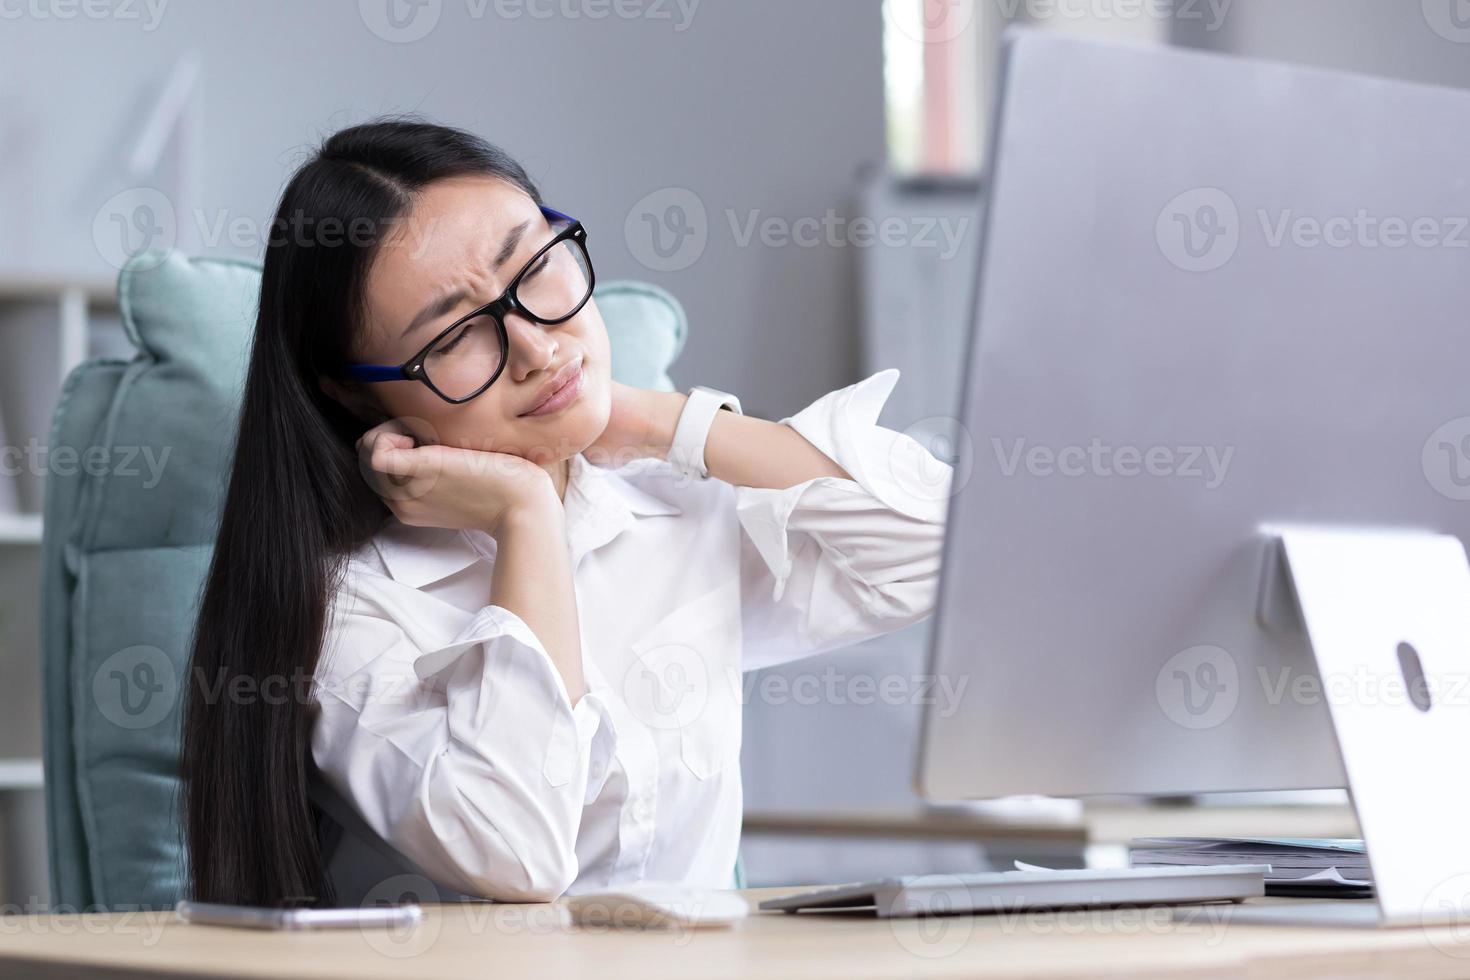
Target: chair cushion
{"x":646,"y":328}
{"x":128,"y":544}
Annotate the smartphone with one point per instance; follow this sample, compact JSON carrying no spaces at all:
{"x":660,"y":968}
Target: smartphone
{"x":255,"y":917}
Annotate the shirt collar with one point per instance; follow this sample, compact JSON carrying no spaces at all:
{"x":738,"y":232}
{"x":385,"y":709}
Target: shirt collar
{"x":600,"y":504}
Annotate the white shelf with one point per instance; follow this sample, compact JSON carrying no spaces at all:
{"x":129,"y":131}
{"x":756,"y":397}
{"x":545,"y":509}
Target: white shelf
{"x":99,"y":293}
{"x":71,"y":300}
{"x":21,"y":774}
{"x":47,"y":320}
{"x":20,"y":529}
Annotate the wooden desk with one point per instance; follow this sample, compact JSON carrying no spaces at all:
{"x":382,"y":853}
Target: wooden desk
{"x":510,"y":941}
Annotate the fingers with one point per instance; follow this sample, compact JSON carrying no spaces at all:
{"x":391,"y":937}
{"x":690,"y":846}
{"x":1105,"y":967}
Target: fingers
{"x":392,"y":432}
{"x":394,"y":460}
{"x":387,"y":449}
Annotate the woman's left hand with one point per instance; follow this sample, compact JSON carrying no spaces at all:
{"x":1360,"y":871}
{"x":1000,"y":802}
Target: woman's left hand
{"x":641,"y":423}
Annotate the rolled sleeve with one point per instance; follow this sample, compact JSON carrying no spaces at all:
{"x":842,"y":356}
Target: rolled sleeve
{"x":576,"y":735}
{"x":833,"y":561}
{"x":469,"y":758}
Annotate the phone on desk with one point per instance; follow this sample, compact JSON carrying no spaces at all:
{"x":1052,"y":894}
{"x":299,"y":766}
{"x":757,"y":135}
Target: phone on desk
{"x":260,"y":917}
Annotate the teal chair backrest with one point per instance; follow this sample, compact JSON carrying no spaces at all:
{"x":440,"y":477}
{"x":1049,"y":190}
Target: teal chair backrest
{"x":128,"y":536}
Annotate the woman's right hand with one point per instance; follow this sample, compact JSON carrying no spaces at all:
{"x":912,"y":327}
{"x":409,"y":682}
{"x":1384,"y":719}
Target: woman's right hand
{"x":510,"y":498}
{"x":441,"y":486}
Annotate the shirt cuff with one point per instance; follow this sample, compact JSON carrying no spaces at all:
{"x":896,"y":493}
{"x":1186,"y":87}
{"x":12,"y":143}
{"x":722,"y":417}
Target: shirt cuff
{"x":584,"y":731}
{"x":890,"y":466}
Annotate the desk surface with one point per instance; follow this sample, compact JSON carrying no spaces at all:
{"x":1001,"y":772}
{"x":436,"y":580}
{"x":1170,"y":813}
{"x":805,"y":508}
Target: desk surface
{"x":509,"y":941}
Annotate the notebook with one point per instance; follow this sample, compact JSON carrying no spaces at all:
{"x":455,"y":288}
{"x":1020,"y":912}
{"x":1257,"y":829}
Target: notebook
{"x":1302,"y":867}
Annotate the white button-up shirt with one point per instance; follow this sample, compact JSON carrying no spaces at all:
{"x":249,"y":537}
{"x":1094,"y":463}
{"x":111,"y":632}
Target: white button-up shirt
{"x":445,"y":725}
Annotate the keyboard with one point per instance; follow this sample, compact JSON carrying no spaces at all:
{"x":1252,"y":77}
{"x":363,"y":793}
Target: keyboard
{"x":1009,"y":891}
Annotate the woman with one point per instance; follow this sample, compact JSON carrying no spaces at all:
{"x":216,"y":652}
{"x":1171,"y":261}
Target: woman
{"x":508,"y":600}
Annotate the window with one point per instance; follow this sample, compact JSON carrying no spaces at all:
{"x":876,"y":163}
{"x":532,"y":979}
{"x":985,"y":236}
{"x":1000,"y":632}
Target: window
{"x":940,"y":58}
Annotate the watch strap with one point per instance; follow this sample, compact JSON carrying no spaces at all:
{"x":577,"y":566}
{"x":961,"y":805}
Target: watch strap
{"x":686,"y":452}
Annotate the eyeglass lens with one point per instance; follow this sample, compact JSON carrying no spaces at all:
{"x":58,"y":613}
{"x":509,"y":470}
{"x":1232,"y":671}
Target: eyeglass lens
{"x":553,"y":287}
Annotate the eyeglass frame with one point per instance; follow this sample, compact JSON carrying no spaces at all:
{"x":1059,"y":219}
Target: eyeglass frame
{"x":507,"y":302}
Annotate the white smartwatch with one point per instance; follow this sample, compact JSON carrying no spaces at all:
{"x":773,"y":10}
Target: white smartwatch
{"x":686,"y":452}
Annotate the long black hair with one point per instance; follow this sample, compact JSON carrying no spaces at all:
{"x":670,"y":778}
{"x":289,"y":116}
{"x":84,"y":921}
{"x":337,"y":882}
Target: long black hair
{"x":296,"y":506}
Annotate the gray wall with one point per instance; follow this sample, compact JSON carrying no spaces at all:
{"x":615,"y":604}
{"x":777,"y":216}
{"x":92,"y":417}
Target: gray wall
{"x":763,"y":107}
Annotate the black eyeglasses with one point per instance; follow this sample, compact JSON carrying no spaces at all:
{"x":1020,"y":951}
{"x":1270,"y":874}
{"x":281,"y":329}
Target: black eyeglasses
{"x":469,"y":355}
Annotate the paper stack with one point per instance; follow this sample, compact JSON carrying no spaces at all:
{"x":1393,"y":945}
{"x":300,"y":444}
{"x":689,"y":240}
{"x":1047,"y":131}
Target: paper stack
{"x":1304,"y":867}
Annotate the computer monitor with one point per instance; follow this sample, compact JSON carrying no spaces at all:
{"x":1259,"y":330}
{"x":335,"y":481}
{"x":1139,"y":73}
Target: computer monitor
{"x":1216,"y":295}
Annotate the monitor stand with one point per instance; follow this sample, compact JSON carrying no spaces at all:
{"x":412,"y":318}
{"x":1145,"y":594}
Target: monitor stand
{"x":1387,"y":614}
